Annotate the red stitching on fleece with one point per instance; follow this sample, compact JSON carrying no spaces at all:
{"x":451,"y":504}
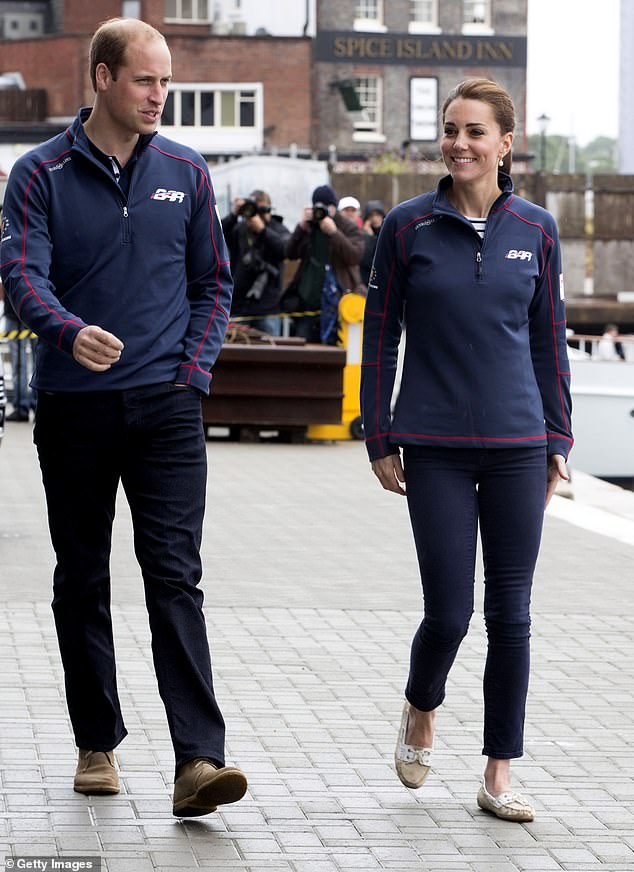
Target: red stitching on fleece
{"x":191,"y":366}
{"x":532,"y":224}
{"x":217,"y":308}
{"x":413,"y":221}
{"x":22,"y":259}
{"x":462,"y":438}
{"x":504,"y":205}
{"x":552,"y":311}
{"x":61,"y":335}
{"x":378,"y":352}
{"x":555,"y":350}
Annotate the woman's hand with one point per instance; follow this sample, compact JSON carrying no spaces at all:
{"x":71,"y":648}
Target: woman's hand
{"x":389,"y":471}
{"x":556,"y":471}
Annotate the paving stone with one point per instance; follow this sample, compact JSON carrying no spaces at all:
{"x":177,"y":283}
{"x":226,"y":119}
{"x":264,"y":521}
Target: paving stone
{"x":576,"y":856}
{"x":310,"y":677}
{"x":129,"y":864}
{"x":540,"y":861}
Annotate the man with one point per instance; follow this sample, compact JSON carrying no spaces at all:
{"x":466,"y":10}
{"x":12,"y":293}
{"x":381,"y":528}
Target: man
{"x":350,"y":208}
{"x":372,"y":222}
{"x":256,"y":239}
{"x":113,"y":254}
{"x":609,"y":348}
{"x":23,"y":398}
{"x":329,"y":248}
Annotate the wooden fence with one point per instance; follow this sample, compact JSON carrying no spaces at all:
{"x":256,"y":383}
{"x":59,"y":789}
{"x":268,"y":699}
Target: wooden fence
{"x":18,"y":106}
{"x":596,"y":220}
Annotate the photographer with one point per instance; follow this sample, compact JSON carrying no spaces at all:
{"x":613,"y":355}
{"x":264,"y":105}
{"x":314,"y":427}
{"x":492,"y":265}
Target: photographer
{"x":256,"y":240}
{"x":329,"y":247}
{"x":372,"y":222}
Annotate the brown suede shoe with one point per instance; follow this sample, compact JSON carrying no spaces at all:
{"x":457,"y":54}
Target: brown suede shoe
{"x":201,"y":787}
{"x":96,"y":773}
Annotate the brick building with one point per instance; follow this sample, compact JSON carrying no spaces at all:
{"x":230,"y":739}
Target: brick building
{"x":235,"y":94}
{"x":230,"y":94}
{"x":401,"y":58}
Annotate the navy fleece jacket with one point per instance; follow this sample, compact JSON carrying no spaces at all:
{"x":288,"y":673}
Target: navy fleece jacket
{"x":151,"y":267}
{"x":485,"y":361}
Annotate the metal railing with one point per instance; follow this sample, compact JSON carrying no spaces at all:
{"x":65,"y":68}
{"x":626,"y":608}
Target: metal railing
{"x":589,"y":344}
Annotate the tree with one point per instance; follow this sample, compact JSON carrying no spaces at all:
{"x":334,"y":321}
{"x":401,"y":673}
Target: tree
{"x":598,"y":156}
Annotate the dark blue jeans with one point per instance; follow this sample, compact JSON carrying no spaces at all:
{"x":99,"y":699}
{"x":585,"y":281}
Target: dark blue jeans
{"x":308,"y":327}
{"x":23,"y":398}
{"x":152,"y":440}
{"x":450,"y":491}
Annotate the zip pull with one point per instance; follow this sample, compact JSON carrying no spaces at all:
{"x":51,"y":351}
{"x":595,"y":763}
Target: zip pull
{"x":125,"y":227}
{"x":478,"y":264}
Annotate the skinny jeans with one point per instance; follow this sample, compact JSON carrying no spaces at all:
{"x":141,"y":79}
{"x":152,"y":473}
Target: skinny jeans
{"x":450,"y":491}
{"x":150,"y":439}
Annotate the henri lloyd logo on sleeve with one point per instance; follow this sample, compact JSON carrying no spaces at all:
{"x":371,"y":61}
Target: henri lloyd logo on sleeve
{"x":171,"y":196}
{"x":427,"y":221}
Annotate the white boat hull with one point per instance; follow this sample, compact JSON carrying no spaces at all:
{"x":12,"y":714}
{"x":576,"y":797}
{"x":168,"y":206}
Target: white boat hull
{"x":603,"y":417}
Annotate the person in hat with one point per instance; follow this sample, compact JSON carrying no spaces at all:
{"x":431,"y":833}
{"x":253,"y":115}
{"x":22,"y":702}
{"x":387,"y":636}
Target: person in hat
{"x":373,"y":216}
{"x":329,"y":247}
{"x":256,"y":238}
{"x":351,"y":208}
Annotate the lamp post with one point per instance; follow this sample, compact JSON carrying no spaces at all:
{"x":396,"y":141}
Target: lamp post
{"x":543,"y":122}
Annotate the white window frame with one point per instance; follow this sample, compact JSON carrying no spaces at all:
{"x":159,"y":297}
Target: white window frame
{"x":423,"y":108}
{"x":477,"y":28}
{"x":366,"y":130}
{"x":216,"y":137}
{"x":370,"y":25}
{"x":177,"y":88}
{"x":424,"y":26}
{"x":194,"y":18}
{"x":126,"y":8}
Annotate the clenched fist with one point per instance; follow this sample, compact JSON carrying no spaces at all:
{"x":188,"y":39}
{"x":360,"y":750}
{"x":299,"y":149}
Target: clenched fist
{"x":96,"y":349}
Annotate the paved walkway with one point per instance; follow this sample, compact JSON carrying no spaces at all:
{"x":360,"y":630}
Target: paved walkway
{"x":312,"y":596}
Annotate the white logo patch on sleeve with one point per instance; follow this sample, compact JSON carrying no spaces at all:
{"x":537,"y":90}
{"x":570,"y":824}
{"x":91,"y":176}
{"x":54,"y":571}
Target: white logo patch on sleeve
{"x":561,"y":286}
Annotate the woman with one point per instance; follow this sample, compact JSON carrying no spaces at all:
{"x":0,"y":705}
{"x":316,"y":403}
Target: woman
{"x":482,"y":418}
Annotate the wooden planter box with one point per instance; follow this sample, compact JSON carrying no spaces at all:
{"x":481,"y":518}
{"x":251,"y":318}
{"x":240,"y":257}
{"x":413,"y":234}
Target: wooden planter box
{"x":276,"y":386}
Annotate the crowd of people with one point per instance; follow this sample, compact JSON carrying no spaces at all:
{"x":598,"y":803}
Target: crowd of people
{"x":333,"y":245}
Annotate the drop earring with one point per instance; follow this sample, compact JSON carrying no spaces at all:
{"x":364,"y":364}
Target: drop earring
{"x":501,"y":162}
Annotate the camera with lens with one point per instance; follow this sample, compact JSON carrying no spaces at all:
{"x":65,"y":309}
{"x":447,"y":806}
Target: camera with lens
{"x":320,"y":211}
{"x":265,"y":271}
{"x":249,"y":208}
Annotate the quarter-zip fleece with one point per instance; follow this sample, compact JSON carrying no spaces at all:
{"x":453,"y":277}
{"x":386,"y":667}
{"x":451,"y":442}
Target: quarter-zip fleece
{"x":151,"y":266}
{"x":485,"y":361}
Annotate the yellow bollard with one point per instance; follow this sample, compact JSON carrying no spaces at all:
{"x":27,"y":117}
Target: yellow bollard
{"x":351,"y":307}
